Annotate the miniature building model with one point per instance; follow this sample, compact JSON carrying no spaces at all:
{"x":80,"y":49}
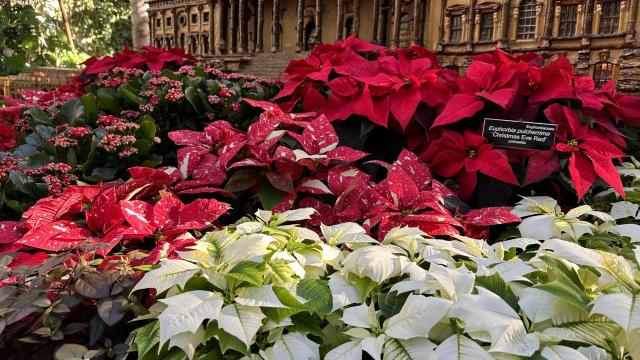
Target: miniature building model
{"x":598,"y":36}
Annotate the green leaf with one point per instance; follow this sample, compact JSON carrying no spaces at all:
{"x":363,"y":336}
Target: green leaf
{"x":90,"y":108}
{"x":128,"y":93}
{"x":101,"y":174}
{"x":248,"y":271}
{"x":333,"y":337}
{"x":306,"y":323}
{"x":108,"y":100}
{"x":269,"y":196}
{"x":148,"y":128}
{"x":143,"y":146}
{"x":91,"y":157}
{"x":96,"y":329}
{"x":317,"y":293}
{"x":93,"y":285}
{"x":39,"y":115}
{"x":390,"y":303}
{"x":226,"y":341}
{"x":498,"y":286}
{"x":286,"y":298}
{"x":72,"y":111}
{"x":197,"y":100}
{"x":146,"y":338}
{"x":72,"y":160}
{"x":363,"y":284}
{"x":565,"y":289}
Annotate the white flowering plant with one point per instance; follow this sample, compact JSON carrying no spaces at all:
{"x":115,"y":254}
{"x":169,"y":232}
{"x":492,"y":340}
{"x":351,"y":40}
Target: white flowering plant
{"x":270,"y":288}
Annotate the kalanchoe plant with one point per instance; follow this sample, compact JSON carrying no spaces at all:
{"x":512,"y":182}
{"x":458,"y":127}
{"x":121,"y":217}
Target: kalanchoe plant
{"x":121,"y":122}
{"x":266,"y":288}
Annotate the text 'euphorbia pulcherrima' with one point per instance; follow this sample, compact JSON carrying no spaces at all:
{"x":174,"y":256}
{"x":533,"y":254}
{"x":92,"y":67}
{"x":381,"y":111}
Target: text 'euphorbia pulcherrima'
{"x":462,"y":157}
{"x":590,"y":153}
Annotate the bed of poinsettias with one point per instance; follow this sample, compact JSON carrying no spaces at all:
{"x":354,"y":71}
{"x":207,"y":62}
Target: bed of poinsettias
{"x":156,"y":210}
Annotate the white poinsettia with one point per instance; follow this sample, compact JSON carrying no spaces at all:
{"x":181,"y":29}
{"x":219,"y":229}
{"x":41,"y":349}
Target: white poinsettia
{"x":270,"y":289}
{"x":543,"y":219}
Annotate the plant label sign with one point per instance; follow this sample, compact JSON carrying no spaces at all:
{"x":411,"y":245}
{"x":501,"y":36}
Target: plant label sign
{"x":519,"y":134}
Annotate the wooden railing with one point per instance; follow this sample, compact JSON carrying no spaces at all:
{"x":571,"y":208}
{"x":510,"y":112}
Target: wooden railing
{"x":43,"y":78}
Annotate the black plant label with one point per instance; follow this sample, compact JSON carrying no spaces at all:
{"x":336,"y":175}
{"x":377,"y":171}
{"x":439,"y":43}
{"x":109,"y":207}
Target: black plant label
{"x":519,"y":134}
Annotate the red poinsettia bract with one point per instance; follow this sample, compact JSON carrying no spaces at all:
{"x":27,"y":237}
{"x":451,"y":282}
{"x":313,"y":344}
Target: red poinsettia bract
{"x":458,"y":156}
{"x":590,"y":153}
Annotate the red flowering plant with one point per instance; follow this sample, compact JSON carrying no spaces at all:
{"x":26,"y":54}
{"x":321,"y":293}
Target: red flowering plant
{"x":519,"y":88}
{"x":67,"y":266}
{"x":148,"y":58}
{"x":372,"y":89}
{"x":287,"y":161}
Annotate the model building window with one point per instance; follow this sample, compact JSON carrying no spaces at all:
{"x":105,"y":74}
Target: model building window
{"x":168,"y":21}
{"x":205,"y":16}
{"x":527,"y":20}
{"x":610,"y":17}
{"x":158,"y":23}
{"x":455,"y":28}
{"x":486,"y":26}
{"x":194,"y":18}
{"x":568,"y":19}
{"x":602,"y":73}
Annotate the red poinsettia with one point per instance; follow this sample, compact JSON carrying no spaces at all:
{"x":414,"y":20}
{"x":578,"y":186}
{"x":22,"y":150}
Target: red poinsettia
{"x":494,"y":81}
{"x":103,"y":216}
{"x":413,"y":81}
{"x":590,"y":153}
{"x":151,"y":58}
{"x":454,"y":155}
{"x":398,"y":201}
{"x":476,"y":223}
{"x":169,"y":216}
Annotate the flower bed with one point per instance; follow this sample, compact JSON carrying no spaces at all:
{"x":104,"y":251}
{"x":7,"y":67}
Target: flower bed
{"x":168,"y":211}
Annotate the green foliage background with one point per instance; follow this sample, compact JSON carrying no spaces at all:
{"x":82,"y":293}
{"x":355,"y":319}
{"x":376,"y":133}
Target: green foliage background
{"x":32,"y":32}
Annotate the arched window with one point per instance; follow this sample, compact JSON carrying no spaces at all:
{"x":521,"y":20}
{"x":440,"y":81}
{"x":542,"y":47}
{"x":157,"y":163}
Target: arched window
{"x":527,"y":20}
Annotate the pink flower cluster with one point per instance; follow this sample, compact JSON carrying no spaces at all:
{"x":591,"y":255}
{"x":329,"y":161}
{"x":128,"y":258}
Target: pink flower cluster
{"x":174,"y":95}
{"x":112,"y":142}
{"x":153,"y":101}
{"x":187,"y":70}
{"x":7,"y":165}
{"x":68,"y":136}
{"x":117,"y":76}
{"x":119,"y":135}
